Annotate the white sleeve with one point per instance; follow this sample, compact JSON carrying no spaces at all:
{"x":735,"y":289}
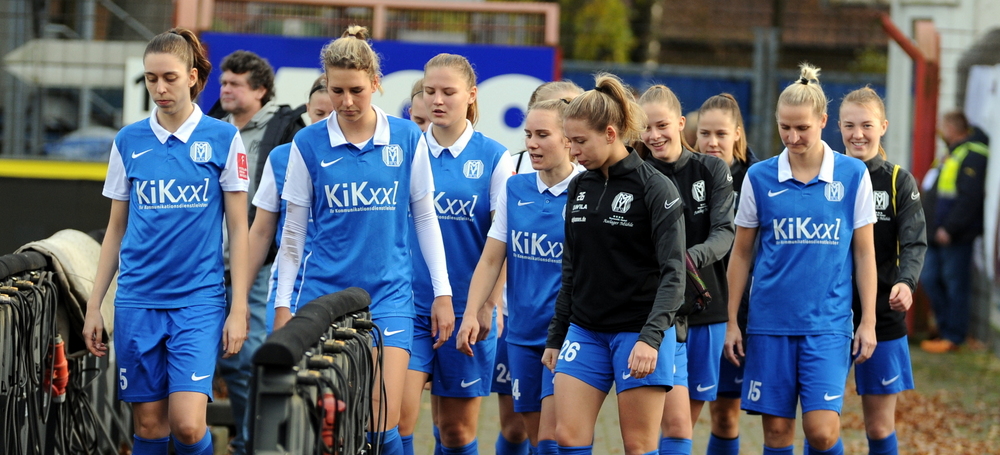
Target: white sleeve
{"x":421,"y":179}
{"x":293,"y":240}
{"x":236,"y":176}
{"x":428,"y":230}
{"x":116,"y":184}
{"x":267,"y":196}
{"x":498,"y":180}
{"x":747,"y":215}
{"x":499,"y":228}
{"x":864,"y":203}
{"x":298,"y":183}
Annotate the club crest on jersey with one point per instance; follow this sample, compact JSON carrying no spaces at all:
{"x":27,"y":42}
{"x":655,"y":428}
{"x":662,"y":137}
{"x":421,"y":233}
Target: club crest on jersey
{"x":392,"y":155}
{"x":698,"y":191}
{"x":834,"y":191}
{"x":622,"y":202}
{"x":201,"y":152}
{"x":881,"y":200}
{"x":473,"y":169}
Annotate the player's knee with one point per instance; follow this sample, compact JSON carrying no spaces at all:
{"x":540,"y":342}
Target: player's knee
{"x":726,"y":424}
{"x":676,"y":425}
{"x":151,"y":427}
{"x":636,"y":447}
{"x":822,"y":438}
{"x":188,"y":431}
{"x":456,"y":433}
{"x":879,"y":430}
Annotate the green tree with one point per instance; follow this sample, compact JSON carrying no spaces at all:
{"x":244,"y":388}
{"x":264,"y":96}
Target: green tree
{"x":597,"y":30}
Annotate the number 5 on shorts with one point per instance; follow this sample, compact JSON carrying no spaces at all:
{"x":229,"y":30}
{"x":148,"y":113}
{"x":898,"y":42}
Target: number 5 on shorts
{"x":122,"y":381}
{"x":754,"y":393}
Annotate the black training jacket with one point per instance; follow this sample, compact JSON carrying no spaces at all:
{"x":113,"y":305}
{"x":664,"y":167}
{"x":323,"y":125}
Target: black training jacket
{"x":623,"y":256}
{"x":901,"y":226}
{"x":706,"y":187}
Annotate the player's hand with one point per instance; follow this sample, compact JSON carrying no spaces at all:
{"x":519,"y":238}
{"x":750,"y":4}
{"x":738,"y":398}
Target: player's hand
{"x":642,"y":360}
{"x":864,"y":342}
{"x":941,"y":237}
{"x":733,"y":347}
{"x":234,"y":333}
{"x":467,"y":335}
{"x":900,"y":298}
{"x":549,"y":358}
{"x":281,"y":317}
{"x":442,"y":319}
{"x":93,"y":331}
{"x":485,"y":319}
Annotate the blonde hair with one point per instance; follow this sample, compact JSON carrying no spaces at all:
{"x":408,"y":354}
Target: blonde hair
{"x":727,"y":103}
{"x":352,"y":51}
{"x":805,"y":91}
{"x":608,"y":104}
{"x":417,"y":89}
{"x":866,"y":96}
{"x":549,"y":90}
{"x":662,"y":95}
{"x":464,"y":68}
{"x":183,"y":44}
{"x":557,"y":105}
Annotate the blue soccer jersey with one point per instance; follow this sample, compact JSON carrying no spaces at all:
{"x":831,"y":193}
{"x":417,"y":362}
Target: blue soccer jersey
{"x":531,"y":219}
{"x":272,"y":181}
{"x":359,"y":199}
{"x":804,"y":265}
{"x":468,"y":178}
{"x":171,"y":253}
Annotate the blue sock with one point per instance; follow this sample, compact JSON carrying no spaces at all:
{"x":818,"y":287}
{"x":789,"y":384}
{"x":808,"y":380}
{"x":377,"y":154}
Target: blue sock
{"x":143,"y":446}
{"x":547,"y":447}
{"x":471,"y":448}
{"x":407,"y":444}
{"x":887,"y":446}
{"x":505,"y":447}
{"x":782,"y":451}
{"x":203,"y":447}
{"x":723,"y":446}
{"x":391,"y":441}
{"x":579,"y":450}
{"x":675,"y":446}
{"x":837,"y":449}
{"x":437,"y":440}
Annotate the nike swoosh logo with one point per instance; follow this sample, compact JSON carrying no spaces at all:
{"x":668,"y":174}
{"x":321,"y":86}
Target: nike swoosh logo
{"x":827,"y":397}
{"x":738,"y":381}
{"x":669,"y":205}
{"x":775,"y":193}
{"x":702,"y":389}
{"x":467,"y":384}
{"x":138,"y":154}
{"x":387,"y":333}
{"x":626,"y":375}
{"x":522,"y":203}
{"x":325,"y":164}
{"x":198,"y":378}
{"x":890,"y":381}
{"x":915,"y":196}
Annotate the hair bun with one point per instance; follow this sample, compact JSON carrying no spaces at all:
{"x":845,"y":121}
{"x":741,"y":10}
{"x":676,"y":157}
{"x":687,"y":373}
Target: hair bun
{"x":357,"y":31}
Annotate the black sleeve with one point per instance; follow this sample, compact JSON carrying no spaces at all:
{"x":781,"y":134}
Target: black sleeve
{"x":912,"y":230}
{"x":723,"y":231}
{"x":560,"y":321}
{"x":968,"y":208}
{"x":667,"y":217}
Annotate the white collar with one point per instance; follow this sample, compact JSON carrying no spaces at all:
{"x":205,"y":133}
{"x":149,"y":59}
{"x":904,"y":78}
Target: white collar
{"x":454,"y":149}
{"x":183,"y":133}
{"x":381,"y":136}
{"x":558,"y":188}
{"x":825,"y":169}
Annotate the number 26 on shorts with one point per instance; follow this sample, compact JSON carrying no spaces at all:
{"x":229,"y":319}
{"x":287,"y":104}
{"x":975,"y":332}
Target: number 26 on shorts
{"x":569,"y":350}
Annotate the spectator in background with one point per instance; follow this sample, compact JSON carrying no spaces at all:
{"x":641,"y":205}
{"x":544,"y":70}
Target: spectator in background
{"x":953,"y":204}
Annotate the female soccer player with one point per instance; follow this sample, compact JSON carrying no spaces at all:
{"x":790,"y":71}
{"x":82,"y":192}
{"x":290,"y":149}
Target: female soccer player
{"x":720,"y":133}
{"x":900,"y":244}
{"x":622,"y":283}
{"x":170,"y":178}
{"x":418,"y":108}
{"x":528,"y":232}
{"x":706,"y":189}
{"x":360,"y":174}
{"x":813,"y":210}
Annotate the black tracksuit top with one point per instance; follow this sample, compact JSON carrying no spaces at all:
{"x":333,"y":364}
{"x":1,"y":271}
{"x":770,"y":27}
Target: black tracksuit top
{"x":623,"y":257}
{"x":905,"y":226}
{"x":706,"y":187}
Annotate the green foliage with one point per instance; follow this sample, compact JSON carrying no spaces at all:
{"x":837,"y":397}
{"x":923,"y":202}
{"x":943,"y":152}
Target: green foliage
{"x":870,"y":60}
{"x":597,"y":30}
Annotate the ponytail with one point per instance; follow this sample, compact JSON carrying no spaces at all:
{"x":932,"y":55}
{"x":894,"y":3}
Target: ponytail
{"x":609,"y":103}
{"x":805,"y":91}
{"x":727,"y":103}
{"x":183,"y":44}
{"x":352,"y":51}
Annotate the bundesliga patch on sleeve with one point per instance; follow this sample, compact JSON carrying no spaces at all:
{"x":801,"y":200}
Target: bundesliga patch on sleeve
{"x":241,"y":160}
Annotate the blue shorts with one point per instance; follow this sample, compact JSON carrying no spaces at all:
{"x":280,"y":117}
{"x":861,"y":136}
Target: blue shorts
{"x":395,"y":331}
{"x":501,"y":365}
{"x":888,"y":371}
{"x":160,"y":352}
{"x":422,"y":346}
{"x":532,"y":380}
{"x":600,"y":359}
{"x":681,"y":365}
{"x":457,"y":375}
{"x":730,"y":379}
{"x":704,"y":347}
{"x":782,"y":370}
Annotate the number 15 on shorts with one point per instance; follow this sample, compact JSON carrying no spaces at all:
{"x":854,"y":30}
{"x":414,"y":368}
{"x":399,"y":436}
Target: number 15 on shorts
{"x":754,"y":393}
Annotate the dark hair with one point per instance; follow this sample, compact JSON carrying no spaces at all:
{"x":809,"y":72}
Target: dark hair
{"x":549,"y":90}
{"x":727,"y":103}
{"x":183,"y":44}
{"x":258,"y":70}
{"x":464,"y":68}
{"x":319,"y":85}
{"x":609,"y":103}
{"x":417,"y":89}
{"x":957,"y":119}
